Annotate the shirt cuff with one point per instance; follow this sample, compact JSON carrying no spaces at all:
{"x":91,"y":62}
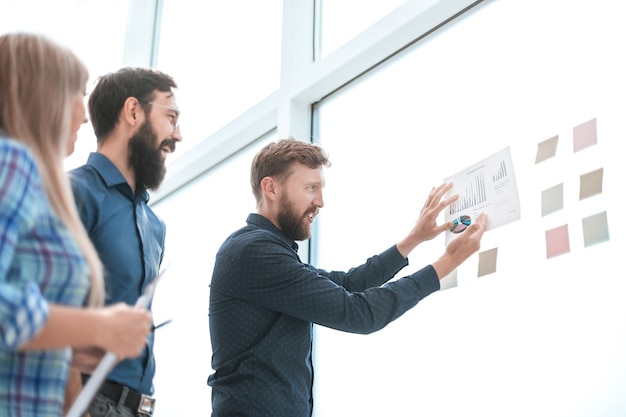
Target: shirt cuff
{"x":397,"y":257}
{"x":427,"y":279}
{"x":28,"y":313}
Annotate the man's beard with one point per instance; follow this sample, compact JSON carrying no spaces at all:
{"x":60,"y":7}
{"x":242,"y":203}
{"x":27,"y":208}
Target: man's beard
{"x":294,"y":226}
{"x":146,"y":158}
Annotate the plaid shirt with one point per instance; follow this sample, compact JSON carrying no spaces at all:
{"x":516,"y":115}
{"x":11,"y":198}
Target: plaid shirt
{"x":39,"y":263}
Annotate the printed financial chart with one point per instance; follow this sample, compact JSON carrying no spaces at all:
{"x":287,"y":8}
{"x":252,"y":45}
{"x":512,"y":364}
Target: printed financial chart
{"x":488,"y":187}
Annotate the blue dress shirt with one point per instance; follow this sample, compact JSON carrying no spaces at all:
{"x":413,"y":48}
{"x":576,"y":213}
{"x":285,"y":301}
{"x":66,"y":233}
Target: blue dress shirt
{"x":129,"y":238}
{"x":40,"y":263}
{"x":263,"y":302}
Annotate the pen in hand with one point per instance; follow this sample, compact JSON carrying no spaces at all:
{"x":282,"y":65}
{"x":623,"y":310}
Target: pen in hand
{"x":161,"y":325}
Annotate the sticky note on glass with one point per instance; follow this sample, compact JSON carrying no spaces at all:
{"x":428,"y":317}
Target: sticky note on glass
{"x":557,"y":241}
{"x":546,"y":149}
{"x":591,"y":183}
{"x":585,"y":135}
{"x":552,"y":200}
{"x":487,"y":261}
{"x":595,"y":229}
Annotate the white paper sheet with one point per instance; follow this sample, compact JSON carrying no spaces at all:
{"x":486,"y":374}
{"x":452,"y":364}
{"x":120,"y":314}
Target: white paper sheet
{"x":488,"y":187}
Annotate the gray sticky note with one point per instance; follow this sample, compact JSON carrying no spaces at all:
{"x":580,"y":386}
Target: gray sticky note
{"x":487,"y":262}
{"x":595,"y":229}
{"x":546,"y":149}
{"x":552,"y":200}
{"x":591,"y":183}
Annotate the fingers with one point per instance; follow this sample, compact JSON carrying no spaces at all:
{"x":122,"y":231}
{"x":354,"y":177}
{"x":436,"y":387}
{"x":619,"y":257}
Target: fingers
{"x":474,"y":234}
{"x":434,"y":201}
{"x":479,"y":225}
{"x":441,"y":190}
{"x":482,"y":221}
{"x":129,"y":327}
{"x":445,"y":203}
{"x":447,"y":226}
{"x":436,"y":193}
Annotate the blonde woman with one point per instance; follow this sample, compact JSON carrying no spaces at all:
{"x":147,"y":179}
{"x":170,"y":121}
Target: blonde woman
{"x":49,"y":270}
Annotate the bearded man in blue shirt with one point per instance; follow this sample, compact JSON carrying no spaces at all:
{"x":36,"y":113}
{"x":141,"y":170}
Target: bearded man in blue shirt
{"x":135,"y":119}
{"x":264,"y":300}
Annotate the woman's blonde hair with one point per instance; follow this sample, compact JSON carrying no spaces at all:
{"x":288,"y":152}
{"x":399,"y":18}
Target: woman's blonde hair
{"x":39,"y":81}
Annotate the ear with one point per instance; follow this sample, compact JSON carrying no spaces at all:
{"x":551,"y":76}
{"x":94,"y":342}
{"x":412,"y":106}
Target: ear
{"x":132,"y":112}
{"x":269,"y":186}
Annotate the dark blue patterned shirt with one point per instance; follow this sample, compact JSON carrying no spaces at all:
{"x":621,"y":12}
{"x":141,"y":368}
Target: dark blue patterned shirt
{"x":129,"y":238}
{"x":263,"y":302}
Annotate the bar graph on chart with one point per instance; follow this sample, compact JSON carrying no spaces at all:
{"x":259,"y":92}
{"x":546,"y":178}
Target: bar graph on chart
{"x":473,"y":195}
{"x":500,"y":172}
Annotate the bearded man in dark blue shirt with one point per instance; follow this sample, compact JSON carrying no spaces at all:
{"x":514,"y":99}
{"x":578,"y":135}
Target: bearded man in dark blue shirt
{"x":264,"y":299}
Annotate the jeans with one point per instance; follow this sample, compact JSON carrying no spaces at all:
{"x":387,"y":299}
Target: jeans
{"x":103,"y":406}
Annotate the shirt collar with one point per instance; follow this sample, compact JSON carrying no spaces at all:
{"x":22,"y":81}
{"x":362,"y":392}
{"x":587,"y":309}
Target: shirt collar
{"x":110,"y":174}
{"x":263,"y":223}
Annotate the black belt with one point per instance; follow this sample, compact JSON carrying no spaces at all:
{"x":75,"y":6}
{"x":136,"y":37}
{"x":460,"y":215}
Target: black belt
{"x":135,"y":401}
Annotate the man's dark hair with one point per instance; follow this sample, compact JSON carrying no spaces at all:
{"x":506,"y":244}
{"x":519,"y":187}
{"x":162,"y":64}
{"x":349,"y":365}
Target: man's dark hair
{"x":277,"y":158}
{"x":112,"y":90}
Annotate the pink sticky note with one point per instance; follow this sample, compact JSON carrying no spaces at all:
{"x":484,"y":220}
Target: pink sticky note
{"x":557,"y":241}
{"x":585,"y":135}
